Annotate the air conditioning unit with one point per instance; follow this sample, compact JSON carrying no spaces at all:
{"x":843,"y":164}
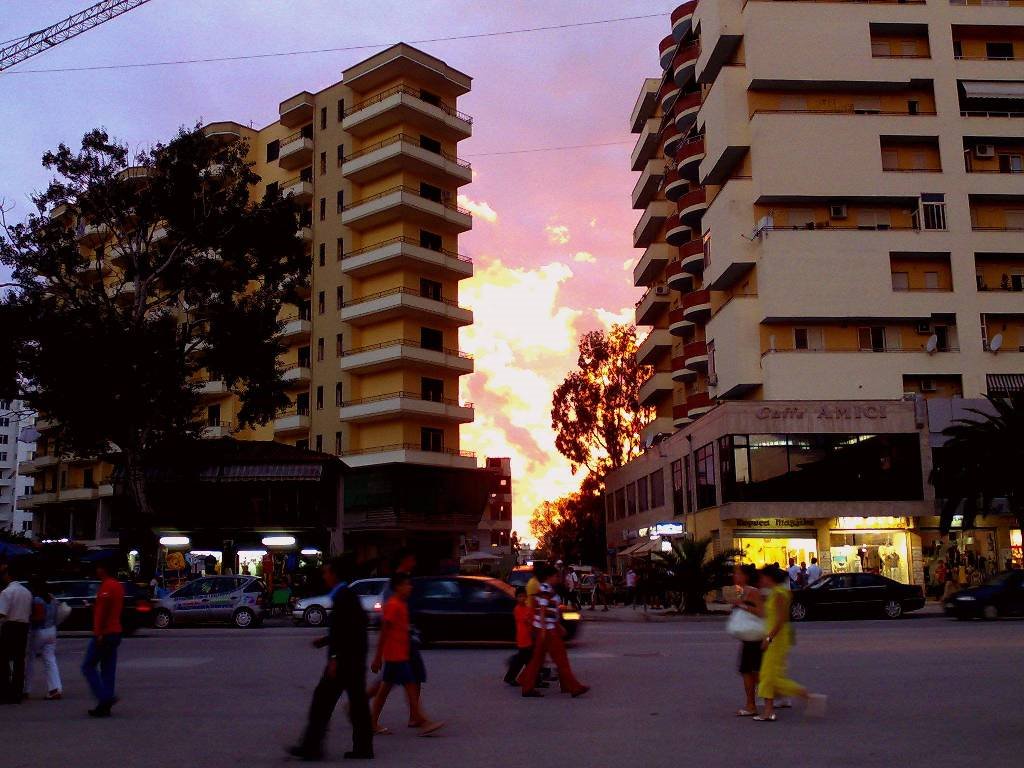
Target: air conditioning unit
{"x":984,"y":150}
{"x":837,"y":211}
{"x":713,"y":380}
{"x":661,"y":290}
{"x":927,"y":385}
{"x":924,"y":329}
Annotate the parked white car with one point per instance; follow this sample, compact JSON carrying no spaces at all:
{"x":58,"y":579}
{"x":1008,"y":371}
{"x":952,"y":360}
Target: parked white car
{"x":316,"y":611}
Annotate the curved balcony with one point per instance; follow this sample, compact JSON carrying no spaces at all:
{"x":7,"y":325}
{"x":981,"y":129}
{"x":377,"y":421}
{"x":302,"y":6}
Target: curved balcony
{"x":686,"y":108}
{"x":402,"y":302}
{"x":682,"y":20}
{"x":698,"y":404}
{"x":678,"y":325}
{"x":680,"y":416}
{"x":684,"y":64}
{"x":670,"y":139}
{"x":405,"y":105}
{"x":406,"y":253}
{"x":657,"y":386}
{"x":404,"y":354}
{"x":689,"y":156}
{"x":404,"y":152}
{"x":676,"y":233}
{"x":667,"y":48}
{"x":697,"y":306}
{"x":667,"y":95}
{"x":692,"y":206}
{"x":408,"y":204}
{"x":406,"y":404}
{"x":695,"y":355}
{"x":675,"y":187}
{"x":692,"y":257}
{"x":677,"y":279}
{"x":681,"y":371}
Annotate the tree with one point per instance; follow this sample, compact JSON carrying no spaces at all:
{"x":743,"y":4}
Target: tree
{"x":693,"y":574}
{"x":572,"y":527}
{"x":595,"y":411}
{"x":185,"y":278}
{"x":981,"y":462}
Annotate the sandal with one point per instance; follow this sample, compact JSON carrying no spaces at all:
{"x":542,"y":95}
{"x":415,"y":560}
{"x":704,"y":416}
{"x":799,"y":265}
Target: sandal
{"x":746,"y":712}
{"x":382,"y":731}
{"x":764,"y":718}
{"x":431,"y":728}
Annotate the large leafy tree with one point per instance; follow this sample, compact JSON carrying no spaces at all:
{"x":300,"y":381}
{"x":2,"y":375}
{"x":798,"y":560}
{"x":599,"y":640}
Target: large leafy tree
{"x":571,"y":527}
{"x":982,"y":461}
{"x":595,"y":411}
{"x":135,"y":278}
{"x":693,"y":574}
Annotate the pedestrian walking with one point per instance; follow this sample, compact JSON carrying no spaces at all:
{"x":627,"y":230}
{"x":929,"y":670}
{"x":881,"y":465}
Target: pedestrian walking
{"x":524,"y":638}
{"x":101,"y":654}
{"x":601,"y":590}
{"x":15,"y":613}
{"x":775,"y":646}
{"x":345,"y":671}
{"x":394,"y":656}
{"x":572,"y":586}
{"x":794,"y":574}
{"x":42,"y":638}
{"x":748,"y":598}
{"x":813,"y":571}
{"x":548,"y":640}
{"x":802,"y":579}
{"x":631,"y":586}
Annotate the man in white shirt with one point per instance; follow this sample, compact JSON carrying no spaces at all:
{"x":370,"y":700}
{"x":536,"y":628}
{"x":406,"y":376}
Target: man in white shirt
{"x":813,"y":571}
{"x":794,"y":574}
{"x":15,"y":611}
{"x":631,"y":587}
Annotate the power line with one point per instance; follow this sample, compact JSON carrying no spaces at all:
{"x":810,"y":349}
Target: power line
{"x":279,"y":54}
{"x":549,"y":149}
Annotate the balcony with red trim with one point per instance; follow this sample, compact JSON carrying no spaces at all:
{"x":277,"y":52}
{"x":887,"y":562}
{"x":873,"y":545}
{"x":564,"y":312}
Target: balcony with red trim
{"x":680,"y":416}
{"x":689,"y":156}
{"x":685,"y":63}
{"x":698,"y":404}
{"x":692,"y":206}
{"x":681,"y":371}
{"x":678,"y":325}
{"x":676,"y":233}
{"x":667,"y":49}
{"x":682,"y":20}
{"x":674,"y":186}
{"x":686,"y":108}
{"x":697,"y":306}
{"x":667,"y":95}
{"x":671,"y":138}
{"x":691,"y":255}
{"x":695,"y":355}
{"x":676,"y":279}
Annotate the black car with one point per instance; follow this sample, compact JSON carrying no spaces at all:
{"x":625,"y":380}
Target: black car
{"x":1002,"y":595}
{"x":80,"y":596}
{"x":849,"y":594}
{"x":469,"y":609}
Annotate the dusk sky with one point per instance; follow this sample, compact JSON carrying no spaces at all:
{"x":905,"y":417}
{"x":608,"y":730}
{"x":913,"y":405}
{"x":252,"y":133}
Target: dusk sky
{"x":552,"y":232}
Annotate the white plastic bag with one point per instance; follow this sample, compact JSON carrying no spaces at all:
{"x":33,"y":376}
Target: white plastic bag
{"x":63,"y":611}
{"x":745,"y":626}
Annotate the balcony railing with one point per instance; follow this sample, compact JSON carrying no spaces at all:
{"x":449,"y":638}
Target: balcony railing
{"x":297,"y":136}
{"x":407,"y":191}
{"x":406,"y":91}
{"x":407,"y":396}
{"x":401,"y":290}
{"x":989,"y":113}
{"x":849,"y":111}
{"x":404,"y":137}
{"x":406,"y":343}
{"x":831,"y":350}
{"x":408,"y":447}
{"x":406,"y":241}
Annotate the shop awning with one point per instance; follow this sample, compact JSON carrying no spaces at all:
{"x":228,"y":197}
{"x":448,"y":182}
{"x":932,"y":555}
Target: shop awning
{"x":643,"y":549}
{"x":241,"y":472}
{"x":1004,"y":384}
{"x":993,"y":89}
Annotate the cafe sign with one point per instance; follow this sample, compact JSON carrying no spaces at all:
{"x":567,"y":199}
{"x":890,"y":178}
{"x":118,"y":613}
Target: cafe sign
{"x":825,"y":412}
{"x":780,"y":522}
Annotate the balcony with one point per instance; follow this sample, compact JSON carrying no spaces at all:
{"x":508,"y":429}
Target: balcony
{"x":305,"y":234}
{"x":721,"y":32}
{"x":680,"y":371}
{"x":405,"y":253}
{"x":667,"y":96}
{"x":651,"y":264}
{"x":692,"y":206}
{"x":79,"y":494}
{"x":692,"y":257}
{"x":94,"y":270}
{"x":689,"y":157}
{"x":671,"y":138}
{"x":696,"y":356}
{"x":214,"y":430}
{"x":298,"y":110}
{"x":212,"y":389}
{"x":657,"y":343}
{"x":678,"y":325}
{"x":725,"y":115}
{"x":225,"y":131}
{"x":404,"y":302}
{"x":736,"y":329}
{"x":38,"y":463}
{"x":295,"y":329}
{"x":675,"y":185}
{"x":659,"y":425}
{"x":646,"y":143}
{"x":404,"y":354}
{"x":677,"y":279}
{"x":680,"y":416}
{"x":658,"y":385}
{"x":409,"y":453}
{"x":676,"y":232}
{"x":403,"y":105}
{"x":298,"y":375}
{"x":91,"y":235}
{"x":684,"y":64}
{"x":698,"y":403}
{"x":408,"y":204}
{"x":667,"y":51}
{"x":301,"y":190}
{"x":122,"y":293}
{"x":686,"y":110}
{"x":647,"y":185}
{"x":682,"y":19}
{"x":291,"y":423}
{"x":697,"y":306}
{"x":650,"y":223}
{"x":646,"y":103}
{"x":406,"y":404}
{"x":296,"y":151}
{"x":654,"y":302}
{"x":404,"y":152}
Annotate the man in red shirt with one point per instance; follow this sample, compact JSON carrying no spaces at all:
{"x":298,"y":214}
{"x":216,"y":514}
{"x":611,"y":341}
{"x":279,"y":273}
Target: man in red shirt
{"x":106,"y":637}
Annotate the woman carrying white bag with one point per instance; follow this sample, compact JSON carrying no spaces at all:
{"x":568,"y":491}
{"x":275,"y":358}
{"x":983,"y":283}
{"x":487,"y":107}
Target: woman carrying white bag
{"x":47,"y":613}
{"x":746,"y":623}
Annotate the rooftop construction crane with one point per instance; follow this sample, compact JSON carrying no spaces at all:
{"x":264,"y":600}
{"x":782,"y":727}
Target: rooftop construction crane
{"x":55,"y":34}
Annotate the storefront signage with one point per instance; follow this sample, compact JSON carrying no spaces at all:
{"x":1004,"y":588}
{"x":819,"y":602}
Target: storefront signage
{"x":872,"y":523}
{"x":825,"y":412}
{"x":780,"y":522}
{"x":666,"y":529}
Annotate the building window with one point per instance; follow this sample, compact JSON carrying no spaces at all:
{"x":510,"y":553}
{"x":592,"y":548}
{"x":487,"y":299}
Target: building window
{"x":1003,"y":51}
{"x":931,"y":281}
{"x":678,"y":488}
{"x":319,"y":398}
{"x":323,"y":254}
{"x":933,"y":211}
{"x":341,"y":154}
{"x":642,"y":499}
{"x":871,"y":339}
{"x":340,"y":201}
{"x":432,"y":389}
{"x":337,"y":443}
{"x":340,"y":245}
{"x":320,"y":350}
{"x":901,"y":281}
{"x":273,"y":150}
{"x":657,"y":488}
{"x":429,"y":144}
{"x":320,"y":302}
{"x":323,"y":118}
{"x":431,"y":439}
{"x":323,"y":208}
{"x":620,"y":503}
{"x":339,"y":395}
{"x":707,"y":489}
{"x":303,"y":444}
{"x":341,"y":110}
{"x":430,"y":192}
{"x":303,"y":359}
{"x":430,"y":289}
{"x":430,"y":240}
{"x":323,"y":163}
{"x":431,"y":338}
{"x":808,"y":338}
{"x":319,"y":443}
{"x":339,"y":344}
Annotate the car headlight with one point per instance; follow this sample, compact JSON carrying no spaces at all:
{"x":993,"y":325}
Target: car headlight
{"x":570,"y":615}
{"x":966,"y":598}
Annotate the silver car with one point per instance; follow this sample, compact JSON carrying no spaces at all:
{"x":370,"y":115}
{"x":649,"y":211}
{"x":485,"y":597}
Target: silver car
{"x":316,"y":611}
{"x":235,"y":599}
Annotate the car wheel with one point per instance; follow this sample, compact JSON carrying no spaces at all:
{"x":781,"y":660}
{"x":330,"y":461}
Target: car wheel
{"x":893,"y":609}
{"x":244,"y":618}
{"x":162,"y":618}
{"x":798,"y":612}
{"x":314,"y":616}
{"x":990,"y":612}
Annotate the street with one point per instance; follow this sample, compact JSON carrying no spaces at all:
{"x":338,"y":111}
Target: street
{"x":920,"y":691}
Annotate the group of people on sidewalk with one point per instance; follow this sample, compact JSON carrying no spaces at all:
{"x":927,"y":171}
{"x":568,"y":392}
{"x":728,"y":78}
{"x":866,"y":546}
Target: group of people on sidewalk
{"x":28,"y":631}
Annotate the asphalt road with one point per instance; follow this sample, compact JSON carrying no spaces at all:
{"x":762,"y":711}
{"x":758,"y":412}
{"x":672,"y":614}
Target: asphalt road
{"x":913,"y":692}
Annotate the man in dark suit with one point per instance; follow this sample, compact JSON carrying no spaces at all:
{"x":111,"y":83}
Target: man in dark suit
{"x":345,"y":671}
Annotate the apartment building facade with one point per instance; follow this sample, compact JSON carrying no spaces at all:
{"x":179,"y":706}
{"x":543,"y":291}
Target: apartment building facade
{"x":372,"y":360}
{"x":15,"y":486}
{"x":832,"y":208}
{"x":494,"y":533}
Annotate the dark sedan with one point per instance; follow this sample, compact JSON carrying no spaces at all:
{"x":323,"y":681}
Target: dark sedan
{"x":850,"y":594}
{"x":80,"y":596}
{"x":1002,"y":595}
{"x":469,"y":609}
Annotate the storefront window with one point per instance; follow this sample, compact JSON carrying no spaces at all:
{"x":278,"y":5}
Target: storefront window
{"x":1016,"y":549}
{"x":707,"y":495}
{"x":761,"y":550}
{"x":881,"y":552}
{"x":821,"y":467}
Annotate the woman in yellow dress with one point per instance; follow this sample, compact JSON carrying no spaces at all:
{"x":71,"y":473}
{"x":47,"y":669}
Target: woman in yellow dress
{"x":773,"y":682}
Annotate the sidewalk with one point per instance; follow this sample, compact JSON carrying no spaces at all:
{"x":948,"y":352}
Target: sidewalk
{"x":717,"y":612}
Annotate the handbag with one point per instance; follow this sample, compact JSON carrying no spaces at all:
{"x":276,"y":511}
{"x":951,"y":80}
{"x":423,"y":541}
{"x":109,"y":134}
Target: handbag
{"x":745,"y":626}
{"x":63,"y":611}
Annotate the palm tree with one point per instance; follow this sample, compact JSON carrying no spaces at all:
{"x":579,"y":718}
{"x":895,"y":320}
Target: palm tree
{"x":693,"y":573}
{"x":982,"y":461}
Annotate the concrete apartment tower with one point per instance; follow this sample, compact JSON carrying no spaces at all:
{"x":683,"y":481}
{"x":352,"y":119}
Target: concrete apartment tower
{"x":14,"y":485}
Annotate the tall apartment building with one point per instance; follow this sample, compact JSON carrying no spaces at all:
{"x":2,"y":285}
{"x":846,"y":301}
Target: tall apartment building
{"x":372,"y":362}
{"x":14,"y":485}
{"x":495,"y":531}
{"x":833,"y":223}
